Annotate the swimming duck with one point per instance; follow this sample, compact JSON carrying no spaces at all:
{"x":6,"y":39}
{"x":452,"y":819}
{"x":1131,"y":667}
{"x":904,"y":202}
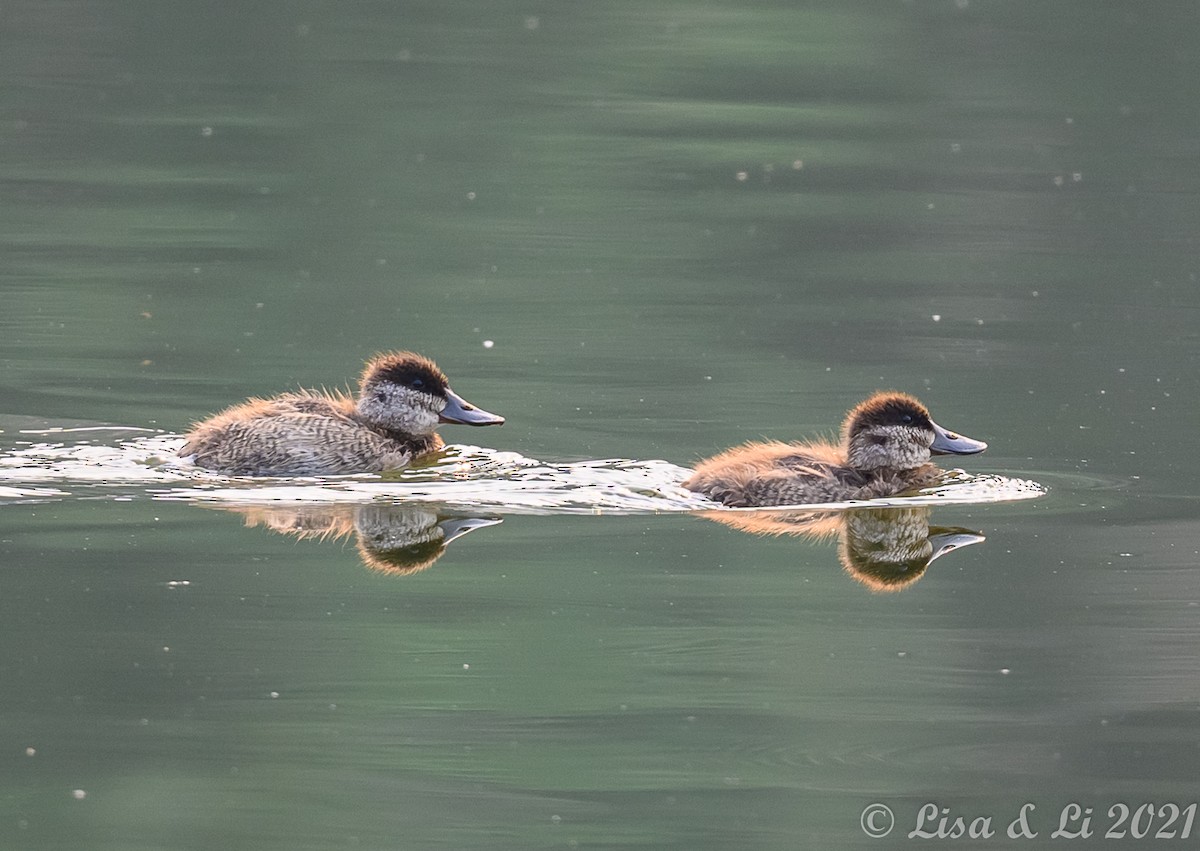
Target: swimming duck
{"x":886,"y":549}
{"x":886,"y":444}
{"x":401,"y":400}
{"x":398,"y":540}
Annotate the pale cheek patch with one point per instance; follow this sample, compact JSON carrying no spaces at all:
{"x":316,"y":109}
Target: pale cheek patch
{"x":387,"y":529}
{"x":403,"y":409}
{"x":415,"y":413}
{"x":897,"y":447}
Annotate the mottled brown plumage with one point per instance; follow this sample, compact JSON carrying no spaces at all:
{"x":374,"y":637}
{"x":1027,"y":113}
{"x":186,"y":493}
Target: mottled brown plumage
{"x":886,"y":444}
{"x":398,"y":540}
{"x":886,"y":549}
{"x":402,"y":398}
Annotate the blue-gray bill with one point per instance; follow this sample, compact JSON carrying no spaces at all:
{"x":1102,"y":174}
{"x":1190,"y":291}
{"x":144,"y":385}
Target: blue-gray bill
{"x":946,"y":540}
{"x":459,"y":410}
{"x":949,"y":443}
{"x":456,"y":527}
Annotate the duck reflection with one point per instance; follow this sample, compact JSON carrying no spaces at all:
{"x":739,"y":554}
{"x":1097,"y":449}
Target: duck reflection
{"x":886,"y":549}
{"x":398,"y":540}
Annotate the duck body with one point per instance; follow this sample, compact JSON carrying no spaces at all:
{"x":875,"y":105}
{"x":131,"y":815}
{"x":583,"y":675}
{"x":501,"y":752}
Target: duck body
{"x":776,"y":473}
{"x":391,"y":423}
{"x":886,"y":445}
{"x":297,"y":434}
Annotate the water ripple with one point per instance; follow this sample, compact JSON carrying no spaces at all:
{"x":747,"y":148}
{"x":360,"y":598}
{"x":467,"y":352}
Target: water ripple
{"x":463,"y":477}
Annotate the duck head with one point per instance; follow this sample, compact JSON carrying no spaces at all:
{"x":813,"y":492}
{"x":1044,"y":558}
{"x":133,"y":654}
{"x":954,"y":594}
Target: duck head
{"x":405,"y":392}
{"x":894,"y":431}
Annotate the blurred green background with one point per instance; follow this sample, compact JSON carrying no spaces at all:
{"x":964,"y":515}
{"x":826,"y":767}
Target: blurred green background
{"x":681,"y":225}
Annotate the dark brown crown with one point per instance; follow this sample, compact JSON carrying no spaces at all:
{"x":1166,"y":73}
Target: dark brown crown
{"x":887,"y":409}
{"x":407,"y":369}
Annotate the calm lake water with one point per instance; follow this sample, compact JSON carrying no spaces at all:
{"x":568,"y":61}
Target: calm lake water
{"x":640,"y":231}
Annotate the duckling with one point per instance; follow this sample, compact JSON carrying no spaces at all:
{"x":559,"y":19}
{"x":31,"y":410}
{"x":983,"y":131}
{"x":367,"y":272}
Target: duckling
{"x":401,"y":400}
{"x":886,"y":444}
{"x":396,"y":539}
{"x":886,"y":549}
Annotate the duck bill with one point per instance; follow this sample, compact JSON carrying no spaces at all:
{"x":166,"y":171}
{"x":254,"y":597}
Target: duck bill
{"x":944,"y":540}
{"x":459,"y":410}
{"x":456,"y":527}
{"x":949,"y":443}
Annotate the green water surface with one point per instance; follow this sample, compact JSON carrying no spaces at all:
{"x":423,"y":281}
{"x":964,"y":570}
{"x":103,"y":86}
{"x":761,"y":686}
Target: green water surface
{"x":637,"y":230}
